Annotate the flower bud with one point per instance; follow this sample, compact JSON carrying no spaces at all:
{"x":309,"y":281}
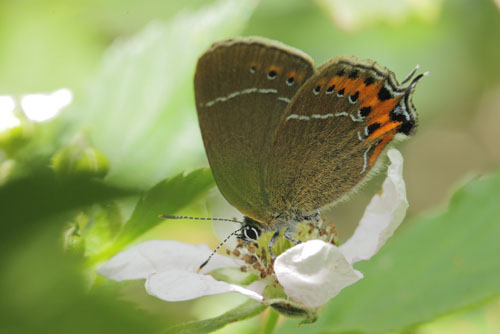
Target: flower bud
{"x":80,"y":159}
{"x":293,"y":310}
{"x":15,"y":132}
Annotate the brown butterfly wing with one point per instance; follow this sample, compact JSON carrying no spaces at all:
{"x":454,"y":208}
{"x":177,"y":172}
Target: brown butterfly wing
{"x":332,"y":133}
{"x":242,"y":87}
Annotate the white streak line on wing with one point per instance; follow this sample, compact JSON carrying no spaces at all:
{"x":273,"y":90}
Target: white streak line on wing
{"x":267,"y":91}
{"x":365,"y":162}
{"x":284,"y":99}
{"x":241,"y":92}
{"x":315,"y":116}
{"x":359,"y":136}
{"x":354,"y":119}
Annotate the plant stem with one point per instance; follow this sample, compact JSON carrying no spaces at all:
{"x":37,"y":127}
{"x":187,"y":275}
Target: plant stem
{"x":271,"y":321}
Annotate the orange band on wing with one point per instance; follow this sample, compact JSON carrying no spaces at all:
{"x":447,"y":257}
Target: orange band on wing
{"x":378,"y":149}
{"x":369,"y":91}
{"x":335,"y":81}
{"x":386,"y":106}
{"x":383,"y":130}
{"x":351,"y":85}
{"x":278,"y":69}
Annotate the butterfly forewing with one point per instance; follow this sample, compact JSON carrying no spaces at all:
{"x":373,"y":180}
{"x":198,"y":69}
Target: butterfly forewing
{"x":333,"y":131}
{"x":242,"y":87}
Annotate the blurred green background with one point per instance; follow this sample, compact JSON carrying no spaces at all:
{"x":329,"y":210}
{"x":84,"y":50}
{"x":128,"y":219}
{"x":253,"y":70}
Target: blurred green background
{"x":123,"y":71}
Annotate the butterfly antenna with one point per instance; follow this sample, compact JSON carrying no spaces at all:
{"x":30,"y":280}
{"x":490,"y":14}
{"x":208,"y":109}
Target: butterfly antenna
{"x":217,"y":248}
{"x":409,"y":76}
{"x":162,"y":216}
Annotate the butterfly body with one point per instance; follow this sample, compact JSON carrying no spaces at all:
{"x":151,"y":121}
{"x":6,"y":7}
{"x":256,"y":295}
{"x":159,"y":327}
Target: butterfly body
{"x":284,"y":138}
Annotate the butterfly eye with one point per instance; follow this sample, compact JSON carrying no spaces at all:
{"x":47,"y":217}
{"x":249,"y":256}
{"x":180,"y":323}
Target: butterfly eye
{"x":330,"y":89}
{"x":290,"y":81}
{"x":253,"y":69}
{"x":316,"y":90}
{"x":250,"y":233}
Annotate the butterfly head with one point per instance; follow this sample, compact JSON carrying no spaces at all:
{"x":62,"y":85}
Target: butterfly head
{"x":250,"y":231}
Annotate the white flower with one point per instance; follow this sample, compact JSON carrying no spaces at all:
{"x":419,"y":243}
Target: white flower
{"x":311,"y":273}
{"x":170,"y":270}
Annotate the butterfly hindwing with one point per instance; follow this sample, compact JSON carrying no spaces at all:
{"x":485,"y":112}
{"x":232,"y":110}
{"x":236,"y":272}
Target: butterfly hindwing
{"x":332,"y":132}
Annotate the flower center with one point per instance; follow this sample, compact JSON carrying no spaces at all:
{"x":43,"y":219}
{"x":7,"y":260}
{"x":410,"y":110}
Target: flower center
{"x":255,"y":254}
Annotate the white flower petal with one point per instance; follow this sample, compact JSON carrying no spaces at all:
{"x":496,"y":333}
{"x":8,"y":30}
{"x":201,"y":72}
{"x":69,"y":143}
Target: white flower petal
{"x":382,"y":216}
{"x":178,"y":285}
{"x":170,"y":269}
{"x":313,"y":272}
{"x":160,"y":255}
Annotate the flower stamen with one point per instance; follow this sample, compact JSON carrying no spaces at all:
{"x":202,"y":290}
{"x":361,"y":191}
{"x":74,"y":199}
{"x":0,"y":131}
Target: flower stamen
{"x":256,"y":255}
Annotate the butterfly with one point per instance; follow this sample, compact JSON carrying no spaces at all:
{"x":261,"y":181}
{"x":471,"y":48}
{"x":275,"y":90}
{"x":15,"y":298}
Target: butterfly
{"x":284,"y":138}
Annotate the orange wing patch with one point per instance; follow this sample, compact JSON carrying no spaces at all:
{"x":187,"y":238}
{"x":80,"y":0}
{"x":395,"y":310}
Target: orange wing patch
{"x":380,"y":146}
{"x":381,"y":105}
{"x":351,"y":86}
{"x":335,"y":81}
{"x":368,"y":94}
{"x":274,"y":68}
{"x":292,"y":74}
{"x":384,"y":128}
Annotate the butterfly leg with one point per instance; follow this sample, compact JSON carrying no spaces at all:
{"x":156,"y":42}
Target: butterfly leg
{"x":271,"y":243}
{"x":315,"y":218}
{"x":289,"y":236}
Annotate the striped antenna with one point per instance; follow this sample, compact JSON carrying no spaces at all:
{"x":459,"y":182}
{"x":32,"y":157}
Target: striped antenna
{"x":163,"y":216}
{"x":218,"y":247}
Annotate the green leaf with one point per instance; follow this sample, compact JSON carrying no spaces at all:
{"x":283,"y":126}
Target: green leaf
{"x":26,"y":201}
{"x":440,"y":264}
{"x":140,"y":110}
{"x":40,"y":279}
{"x":168,"y":196}
{"x":246,"y":310}
{"x":104,"y":222}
